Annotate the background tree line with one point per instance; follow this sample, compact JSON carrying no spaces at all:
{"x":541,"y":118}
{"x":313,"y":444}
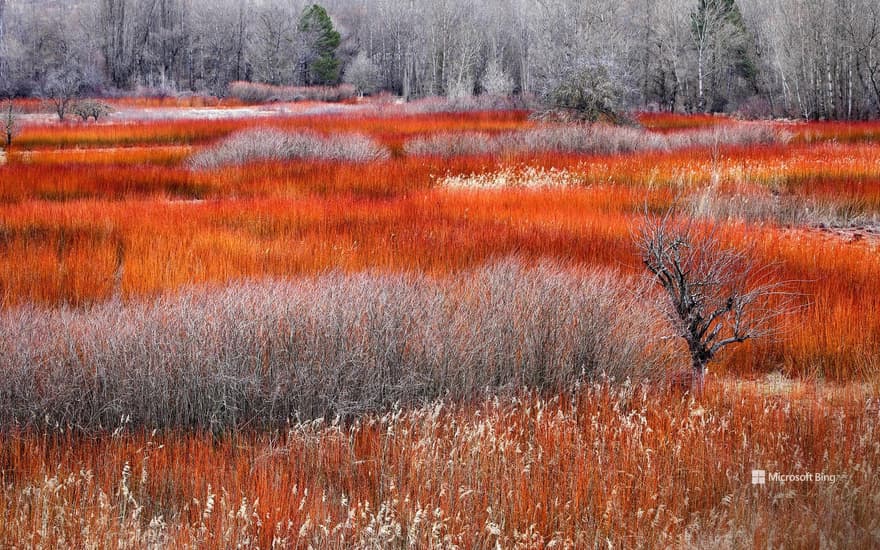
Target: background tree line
{"x":804,"y":58}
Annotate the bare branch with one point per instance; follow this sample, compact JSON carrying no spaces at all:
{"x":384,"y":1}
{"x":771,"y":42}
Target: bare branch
{"x":716,"y":295}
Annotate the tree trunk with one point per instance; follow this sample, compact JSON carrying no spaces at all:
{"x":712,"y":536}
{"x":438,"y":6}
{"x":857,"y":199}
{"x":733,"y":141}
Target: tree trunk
{"x":2,"y":60}
{"x":698,"y":380}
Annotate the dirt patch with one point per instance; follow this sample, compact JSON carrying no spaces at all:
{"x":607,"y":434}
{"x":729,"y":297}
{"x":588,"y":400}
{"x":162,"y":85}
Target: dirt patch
{"x":852,"y":234}
{"x":867,"y":235}
{"x":778,"y":386}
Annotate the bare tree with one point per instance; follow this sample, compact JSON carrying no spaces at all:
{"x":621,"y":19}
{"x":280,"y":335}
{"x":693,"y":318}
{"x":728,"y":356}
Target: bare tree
{"x":495,"y":81}
{"x":715,"y":295}
{"x":274,"y":40}
{"x":363,"y":73}
{"x":10,"y":122}
{"x":61,"y":87}
{"x":90,"y":109}
{"x":2,"y":33}
{"x":863,"y":33}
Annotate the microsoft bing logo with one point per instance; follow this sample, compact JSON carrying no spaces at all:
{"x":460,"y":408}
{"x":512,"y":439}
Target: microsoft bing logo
{"x":759,"y":477}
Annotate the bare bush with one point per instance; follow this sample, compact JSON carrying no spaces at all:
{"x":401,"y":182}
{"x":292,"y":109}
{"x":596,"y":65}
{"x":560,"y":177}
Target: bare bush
{"x":748,"y":205}
{"x":91,"y":108}
{"x":452,"y":144}
{"x":757,"y":204}
{"x":252,"y":92}
{"x":271,"y":144}
{"x":263,"y":353}
{"x":468,"y":103}
{"x":588,"y":90}
{"x":594,"y":138}
{"x":597,"y":138}
{"x":743,"y":134}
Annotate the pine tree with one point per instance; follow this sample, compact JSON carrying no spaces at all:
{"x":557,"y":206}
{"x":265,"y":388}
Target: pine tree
{"x":320,"y":40}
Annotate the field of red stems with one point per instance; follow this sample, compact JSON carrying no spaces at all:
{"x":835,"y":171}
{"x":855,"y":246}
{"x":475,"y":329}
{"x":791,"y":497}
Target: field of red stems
{"x":375,"y":326}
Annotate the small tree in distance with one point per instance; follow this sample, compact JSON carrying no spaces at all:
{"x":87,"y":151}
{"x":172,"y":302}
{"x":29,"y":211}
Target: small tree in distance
{"x":588,"y":92}
{"x":715,"y":295}
{"x":90,"y":108}
{"x":10,"y":122}
{"x":495,"y":81}
{"x":61,"y":87}
{"x":363,"y":74}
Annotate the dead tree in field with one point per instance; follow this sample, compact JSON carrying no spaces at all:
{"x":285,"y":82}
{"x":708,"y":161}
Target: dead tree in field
{"x":715,"y":295}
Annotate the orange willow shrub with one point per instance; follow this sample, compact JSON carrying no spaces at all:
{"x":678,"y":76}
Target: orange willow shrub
{"x":837,"y":177}
{"x":78,"y":226}
{"x":113,"y":156}
{"x":67,"y":252}
{"x":618,"y":467}
{"x":845,"y":132}
{"x":183,"y":132}
{"x":669,"y":122}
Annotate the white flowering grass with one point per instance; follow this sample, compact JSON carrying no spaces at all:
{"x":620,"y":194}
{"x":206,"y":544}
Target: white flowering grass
{"x":617,"y":466}
{"x":525,"y":177}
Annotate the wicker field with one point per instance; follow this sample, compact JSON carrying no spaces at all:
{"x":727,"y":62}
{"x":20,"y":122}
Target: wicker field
{"x":390,"y":327}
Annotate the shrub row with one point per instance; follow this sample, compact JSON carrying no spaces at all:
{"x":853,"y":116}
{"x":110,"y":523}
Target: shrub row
{"x":252,"y":92}
{"x":264,"y":353}
{"x":271,"y":144}
{"x":598,"y":138}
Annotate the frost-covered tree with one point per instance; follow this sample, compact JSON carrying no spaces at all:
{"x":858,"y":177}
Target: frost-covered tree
{"x":812,"y":59}
{"x":495,"y":81}
{"x":362,"y":73}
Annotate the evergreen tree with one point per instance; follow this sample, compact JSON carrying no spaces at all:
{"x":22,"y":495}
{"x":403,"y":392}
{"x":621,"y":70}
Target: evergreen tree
{"x":319,"y":64}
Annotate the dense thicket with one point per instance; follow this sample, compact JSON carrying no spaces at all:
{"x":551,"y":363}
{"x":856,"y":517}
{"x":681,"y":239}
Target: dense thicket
{"x":263,"y":353}
{"x":805,"y":58}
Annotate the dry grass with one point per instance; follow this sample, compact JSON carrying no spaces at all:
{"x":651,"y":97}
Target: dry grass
{"x":611,"y":467}
{"x":526,"y":176}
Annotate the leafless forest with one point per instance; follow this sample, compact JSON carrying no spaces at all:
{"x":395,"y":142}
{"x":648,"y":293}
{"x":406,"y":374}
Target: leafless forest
{"x":814,"y":59}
